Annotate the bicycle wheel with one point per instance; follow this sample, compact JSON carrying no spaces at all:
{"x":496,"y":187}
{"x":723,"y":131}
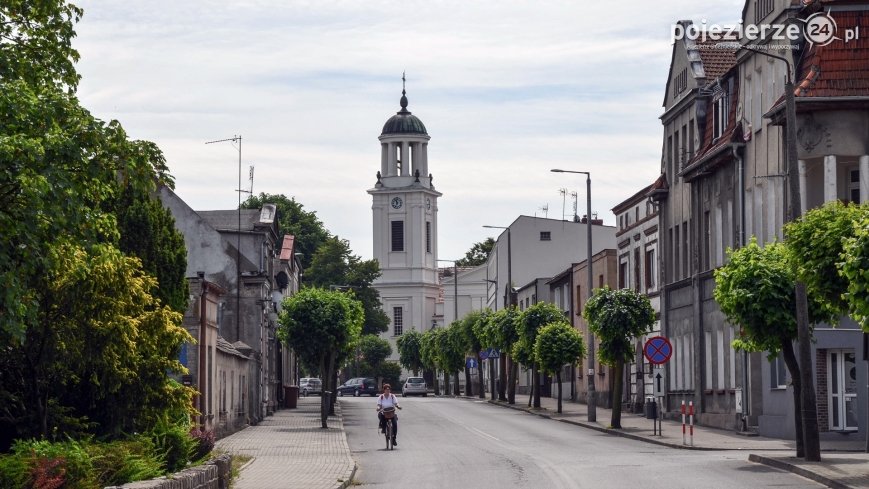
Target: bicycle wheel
{"x":389,"y":434}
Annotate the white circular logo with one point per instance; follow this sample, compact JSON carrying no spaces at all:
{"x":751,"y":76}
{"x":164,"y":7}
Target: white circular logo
{"x":820,"y":29}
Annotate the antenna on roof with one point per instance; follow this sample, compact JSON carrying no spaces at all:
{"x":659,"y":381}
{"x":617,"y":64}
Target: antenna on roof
{"x":545,"y":209}
{"x":575,"y":198}
{"x":563,"y":193}
{"x":250,"y":177}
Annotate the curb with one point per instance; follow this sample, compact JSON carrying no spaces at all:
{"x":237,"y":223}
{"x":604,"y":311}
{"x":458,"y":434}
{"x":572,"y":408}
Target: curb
{"x":611,"y":431}
{"x":782,"y":465}
{"x":339,"y":413}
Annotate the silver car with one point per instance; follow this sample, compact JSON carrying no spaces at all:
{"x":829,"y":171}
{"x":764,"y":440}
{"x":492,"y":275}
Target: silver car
{"x":414,"y":386}
{"x":310,"y":385}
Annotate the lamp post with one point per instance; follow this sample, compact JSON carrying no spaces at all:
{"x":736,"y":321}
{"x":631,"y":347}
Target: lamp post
{"x":807,"y":398}
{"x":455,"y":287}
{"x":236,"y":139}
{"x":592,"y":402}
{"x":508,"y":301}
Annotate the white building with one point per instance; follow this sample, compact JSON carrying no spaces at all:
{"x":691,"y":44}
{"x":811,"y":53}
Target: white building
{"x":404,"y":210}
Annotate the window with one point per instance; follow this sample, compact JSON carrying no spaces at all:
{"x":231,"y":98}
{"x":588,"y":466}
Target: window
{"x":397,"y":235}
{"x":623,"y":273}
{"x":778,"y":373}
{"x":650,"y":269}
{"x":719,"y":117}
{"x":545,"y":236}
{"x":762,"y":8}
{"x":578,"y":299}
{"x":854,"y":186}
{"x":428,"y":237}
{"x":636,"y":269}
{"x":676,"y":153}
{"x":397,"y":321}
{"x":707,"y":242}
{"x":680,"y":82}
{"x":690,"y":139}
{"x":677,"y":255}
{"x":637,"y":213}
{"x":686,"y":250}
{"x":670,"y":155}
{"x":683,"y":150}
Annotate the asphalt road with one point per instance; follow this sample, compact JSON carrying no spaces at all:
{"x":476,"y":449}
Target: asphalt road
{"x":454,"y":443}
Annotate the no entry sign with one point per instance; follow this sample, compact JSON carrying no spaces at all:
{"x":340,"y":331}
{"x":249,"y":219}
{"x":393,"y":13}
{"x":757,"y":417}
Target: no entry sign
{"x":658,"y":350}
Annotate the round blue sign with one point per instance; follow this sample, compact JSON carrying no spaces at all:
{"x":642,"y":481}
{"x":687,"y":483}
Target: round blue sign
{"x":658,"y":350}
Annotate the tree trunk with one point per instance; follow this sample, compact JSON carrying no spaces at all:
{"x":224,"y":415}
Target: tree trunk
{"x":807,"y":383}
{"x":535,"y":374}
{"x":468,"y":389}
{"x":482,"y":381}
{"x":502,"y":376}
{"x":435,"y":383}
{"x":531,"y":393}
{"x":514,"y":375}
{"x":324,"y":366}
{"x":640,"y":383}
{"x":446,"y":383}
{"x":457,"y":389}
{"x":794,"y":369}
{"x":494,"y":388}
{"x":616,"y":419}
{"x":558,"y":380}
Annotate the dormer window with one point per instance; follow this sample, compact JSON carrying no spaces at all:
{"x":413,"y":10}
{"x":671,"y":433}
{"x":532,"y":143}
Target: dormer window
{"x":680,"y":82}
{"x":719,"y":116}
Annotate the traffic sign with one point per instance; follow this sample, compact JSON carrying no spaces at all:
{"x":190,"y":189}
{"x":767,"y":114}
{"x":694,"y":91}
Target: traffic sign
{"x":490,"y":353}
{"x":659,"y":381}
{"x":658,"y":350}
{"x":471,"y":363}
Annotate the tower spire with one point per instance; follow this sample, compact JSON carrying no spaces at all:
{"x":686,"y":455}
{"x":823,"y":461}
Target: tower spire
{"x":403,"y":100}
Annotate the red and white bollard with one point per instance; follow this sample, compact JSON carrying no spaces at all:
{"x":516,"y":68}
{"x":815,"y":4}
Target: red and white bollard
{"x":691,"y":421}
{"x":682,"y":410}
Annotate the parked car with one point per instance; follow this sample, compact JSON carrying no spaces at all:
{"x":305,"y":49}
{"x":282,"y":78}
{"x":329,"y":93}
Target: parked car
{"x":358,"y":386}
{"x":414,"y":386}
{"x":310,"y":385}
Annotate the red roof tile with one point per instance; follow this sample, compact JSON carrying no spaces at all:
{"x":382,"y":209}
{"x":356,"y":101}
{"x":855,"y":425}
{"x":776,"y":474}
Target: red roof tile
{"x":838,"y":69}
{"x":717,"y":58}
{"x":287,"y":247}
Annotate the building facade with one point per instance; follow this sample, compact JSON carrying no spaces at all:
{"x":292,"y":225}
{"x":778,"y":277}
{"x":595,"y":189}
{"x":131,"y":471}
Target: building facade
{"x":404,"y":210}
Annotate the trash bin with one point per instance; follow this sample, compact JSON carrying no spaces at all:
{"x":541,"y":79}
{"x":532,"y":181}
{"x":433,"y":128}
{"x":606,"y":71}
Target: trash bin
{"x":291,"y":396}
{"x":651,"y":408}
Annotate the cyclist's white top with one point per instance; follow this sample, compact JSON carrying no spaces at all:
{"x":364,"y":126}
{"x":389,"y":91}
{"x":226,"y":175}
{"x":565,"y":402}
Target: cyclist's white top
{"x":389,"y":401}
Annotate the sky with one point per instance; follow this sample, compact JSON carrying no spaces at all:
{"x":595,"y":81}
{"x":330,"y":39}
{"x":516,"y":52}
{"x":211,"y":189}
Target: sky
{"x":506,"y":89}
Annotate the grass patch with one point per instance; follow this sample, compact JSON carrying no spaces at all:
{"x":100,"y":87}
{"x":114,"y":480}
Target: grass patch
{"x":238,"y":462}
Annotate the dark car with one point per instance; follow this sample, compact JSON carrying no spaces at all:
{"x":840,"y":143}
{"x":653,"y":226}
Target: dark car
{"x":358,"y":386}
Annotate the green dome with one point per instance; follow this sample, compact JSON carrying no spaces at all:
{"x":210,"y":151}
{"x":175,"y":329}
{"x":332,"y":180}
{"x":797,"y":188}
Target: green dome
{"x":403,"y":122}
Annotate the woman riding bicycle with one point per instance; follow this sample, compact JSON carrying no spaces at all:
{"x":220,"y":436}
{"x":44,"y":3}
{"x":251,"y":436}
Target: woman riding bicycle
{"x":387,"y":400}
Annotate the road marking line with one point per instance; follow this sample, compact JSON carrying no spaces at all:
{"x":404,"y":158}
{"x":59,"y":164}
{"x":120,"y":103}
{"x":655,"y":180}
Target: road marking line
{"x":483,"y":433}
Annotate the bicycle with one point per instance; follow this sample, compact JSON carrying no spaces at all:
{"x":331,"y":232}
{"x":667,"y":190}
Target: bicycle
{"x":388,"y":415}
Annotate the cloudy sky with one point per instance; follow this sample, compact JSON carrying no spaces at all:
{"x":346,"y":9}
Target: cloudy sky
{"x":506,"y":89}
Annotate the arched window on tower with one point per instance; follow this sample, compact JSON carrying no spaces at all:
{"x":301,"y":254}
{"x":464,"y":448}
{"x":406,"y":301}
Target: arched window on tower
{"x":398,"y":162}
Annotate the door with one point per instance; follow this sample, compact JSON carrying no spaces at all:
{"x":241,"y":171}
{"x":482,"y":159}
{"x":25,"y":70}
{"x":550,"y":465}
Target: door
{"x":842,"y":380}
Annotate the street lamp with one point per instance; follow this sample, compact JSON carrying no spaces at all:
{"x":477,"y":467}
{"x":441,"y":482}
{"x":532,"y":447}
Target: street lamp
{"x":592,"y":406}
{"x":455,"y":288}
{"x":508,"y":297}
{"x":807,"y":398}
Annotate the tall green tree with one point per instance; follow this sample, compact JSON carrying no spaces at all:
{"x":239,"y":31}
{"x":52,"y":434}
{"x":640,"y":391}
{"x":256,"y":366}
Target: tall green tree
{"x":305,"y":226}
{"x":452,"y":353}
{"x":503,"y":334}
{"x":855,"y":264}
{"x":320,"y":325}
{"x":374,"y":350}
{"x":755,"y":291}
{"x":98,"y":357}
{"x":478,"y":254}
{"x":409,"y":351}
{"x":335,"y":266}
{"x":472,"y":327}
{"x":558,"y":344}
{"x":531,"y":320}
{"x":817,"y":241}
{"x":429,"y":355}
{"x":617,"y":317}
{"x":147,"y":231}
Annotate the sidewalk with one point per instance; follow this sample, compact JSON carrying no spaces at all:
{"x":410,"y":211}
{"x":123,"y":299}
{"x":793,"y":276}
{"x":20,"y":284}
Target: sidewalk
{"x":844,"y":464}
{"x":290,"y":449}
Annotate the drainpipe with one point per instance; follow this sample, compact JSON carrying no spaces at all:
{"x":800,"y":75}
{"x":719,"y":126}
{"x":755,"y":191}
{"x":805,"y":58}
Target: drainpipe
{"x":740,"y":197}
{"x":203,"y":331}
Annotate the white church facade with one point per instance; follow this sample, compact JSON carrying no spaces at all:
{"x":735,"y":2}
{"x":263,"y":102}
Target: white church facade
{"x":404,"y":209}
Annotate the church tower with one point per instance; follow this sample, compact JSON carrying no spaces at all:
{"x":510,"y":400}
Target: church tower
{"x":404,"y":208}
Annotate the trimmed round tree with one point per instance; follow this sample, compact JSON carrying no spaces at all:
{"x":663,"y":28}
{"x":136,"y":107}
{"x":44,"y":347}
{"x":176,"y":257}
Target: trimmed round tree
{"x":558,"y":344}
{"x":319,"y":325}
{"x":409,"y":354}
{"x":530,"y":322}
{"x":503,"y":334}
{"x":617,"y":317}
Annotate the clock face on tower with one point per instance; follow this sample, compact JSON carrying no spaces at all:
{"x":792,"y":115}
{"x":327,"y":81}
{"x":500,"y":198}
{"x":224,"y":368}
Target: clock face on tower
{"x":396,"y":202}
